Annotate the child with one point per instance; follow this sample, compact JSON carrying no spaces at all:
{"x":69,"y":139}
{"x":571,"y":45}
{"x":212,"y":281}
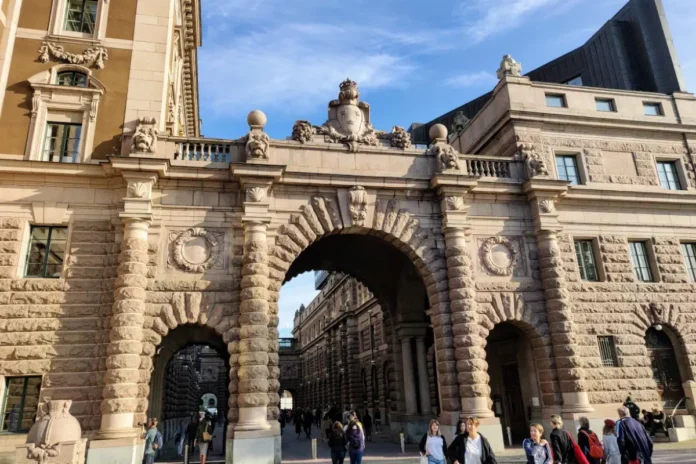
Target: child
{"x":612,"y":454}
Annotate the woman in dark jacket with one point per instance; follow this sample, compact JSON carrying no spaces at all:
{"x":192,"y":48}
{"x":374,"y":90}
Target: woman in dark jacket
{"x":479,"y":450}
{"x":337,"y":443}
{"x":561,"y":443}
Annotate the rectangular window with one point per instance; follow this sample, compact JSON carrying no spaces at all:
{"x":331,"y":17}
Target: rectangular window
{"x":640,"y":261}
{"x":20,"y":403}
{"x":668,"y":175}
{"x":607,"y":351}
{"x":689,"y":252}
{"x":577,"y":81}
{"x":605,"y":104}
{"x":584,"y":252}
{"x":567,"y":167}
{"x":80,"y":16}
{"x":652,"y":109}
{"x":555,"y":100}
{"x":62,"y":142}
{"x":46,"y":251}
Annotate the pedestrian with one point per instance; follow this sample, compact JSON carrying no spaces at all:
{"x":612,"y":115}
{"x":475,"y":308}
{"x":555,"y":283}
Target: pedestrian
{"x":367,"y":423}
{"x":151,"y":445}
{"x":346,"y":416}
{"x":180,"y":438}
{"x":589,"y":443}
{"x":612,"y":453}
{"x":297,"y":418}
{"x":378,"y":420}
{"x":356,"y":440}
{"x":337,"y":443}
{"x":318,"y":415}
{"x":325,"y":428}
{"x":281,"y":419}
{"x":469,"y":446}
{"x":634,"y":441}
{"x":204,"y":437}
{"x":633,"y":408}
{"x":561,"y":442}
{"x":433,"y":445}
{"x":191,"y":431}
{"x":536,"y":448}
{"x":308,"y":420}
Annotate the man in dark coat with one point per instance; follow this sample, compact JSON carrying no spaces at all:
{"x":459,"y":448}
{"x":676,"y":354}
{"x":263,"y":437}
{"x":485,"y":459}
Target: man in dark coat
{"x":634,"y":441}
{"x":633,"y":408}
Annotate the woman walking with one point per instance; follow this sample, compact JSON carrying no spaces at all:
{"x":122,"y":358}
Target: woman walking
{"x":356,"y":440}
{"x":612,"y":453}
{"x":469,"y":446}
{"x":337,"y":443}
{"x":536,"y":448}
{"x":561,"y":442}
{"x":433,"y":445}
{"x":204,"y":437}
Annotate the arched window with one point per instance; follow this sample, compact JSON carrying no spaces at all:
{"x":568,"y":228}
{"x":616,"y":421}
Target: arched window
{"x":72,"y":79}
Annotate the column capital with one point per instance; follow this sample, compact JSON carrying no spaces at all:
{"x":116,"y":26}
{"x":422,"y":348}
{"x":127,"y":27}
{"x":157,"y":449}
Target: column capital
{"x":543,"y":195}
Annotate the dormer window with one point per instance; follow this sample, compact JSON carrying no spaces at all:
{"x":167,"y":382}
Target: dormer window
{"x":80,"y":16}
{"x":72,"y":79}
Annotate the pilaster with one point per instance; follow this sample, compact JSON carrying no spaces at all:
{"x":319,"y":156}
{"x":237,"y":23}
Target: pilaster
{"x":543,"y":194}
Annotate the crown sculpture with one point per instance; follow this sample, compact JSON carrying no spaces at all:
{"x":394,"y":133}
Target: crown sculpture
{"x":349,"y":123}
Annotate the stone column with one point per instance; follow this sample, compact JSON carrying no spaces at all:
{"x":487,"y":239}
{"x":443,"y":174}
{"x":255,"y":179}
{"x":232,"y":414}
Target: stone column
{"x":469,"y":344}
{"x":120,"y":392}
{"x":352,"y":365}
{"x":423,"y":383}
{"x":253,"y":333}
{"x":409,"y":378}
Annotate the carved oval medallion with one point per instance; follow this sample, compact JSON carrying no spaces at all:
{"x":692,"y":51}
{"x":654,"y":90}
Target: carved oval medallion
{"x":498,"y":256}
{"x":195,"y":250}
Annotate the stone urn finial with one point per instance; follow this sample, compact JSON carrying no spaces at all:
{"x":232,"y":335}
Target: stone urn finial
{"x":258,"y":143}
{"x":445,"y":154}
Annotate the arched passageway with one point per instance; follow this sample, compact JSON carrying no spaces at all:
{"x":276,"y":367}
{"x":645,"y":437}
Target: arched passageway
{"x":513,"y":379}
{"x":376,"y":316}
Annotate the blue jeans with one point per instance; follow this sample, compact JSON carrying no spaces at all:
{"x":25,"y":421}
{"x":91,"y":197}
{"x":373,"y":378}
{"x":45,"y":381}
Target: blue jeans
{"x":355,"y":456}
{"x":149,"y":459}
{"x":432,"y":460}
{"x":337,"y":456}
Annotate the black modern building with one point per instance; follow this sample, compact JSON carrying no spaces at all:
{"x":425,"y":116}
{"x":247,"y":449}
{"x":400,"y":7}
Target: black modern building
{"x":631,"y":51}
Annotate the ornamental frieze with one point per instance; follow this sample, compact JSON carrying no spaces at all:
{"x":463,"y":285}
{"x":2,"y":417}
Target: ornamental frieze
{"x":95,"y":56}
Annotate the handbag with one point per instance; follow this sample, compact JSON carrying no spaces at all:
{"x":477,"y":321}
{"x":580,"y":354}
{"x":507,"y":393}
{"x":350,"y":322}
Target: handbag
{"x":579,"y":455}
{"x":423,"y":459}
{"x":206,"y":436}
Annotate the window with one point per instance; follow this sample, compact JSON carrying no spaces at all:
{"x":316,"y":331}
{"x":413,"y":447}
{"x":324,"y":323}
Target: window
{"x":689,"y":252}
{"x":567,"y":167}
{"x":21,"y":401}
{"x":668,"y":175}
{"x":80,"y":16}
{"x":71,"y":79}
{"x":62,"y":142}
{"x":640,"y":261}
{"x":652,"y":109}
{"x":605,"y":104}
{"x":46,"y":251}
{"x":584,"y":251}
{"x":555,"y":101}
{"x":607,"y":351}
{"x":577,"y":81}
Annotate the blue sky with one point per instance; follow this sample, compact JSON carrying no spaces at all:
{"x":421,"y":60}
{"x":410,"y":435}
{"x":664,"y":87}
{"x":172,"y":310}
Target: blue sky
{"x":413,"y":60}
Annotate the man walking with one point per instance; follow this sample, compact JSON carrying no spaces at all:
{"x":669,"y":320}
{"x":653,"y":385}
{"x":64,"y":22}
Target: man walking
{"x":634,"y":441}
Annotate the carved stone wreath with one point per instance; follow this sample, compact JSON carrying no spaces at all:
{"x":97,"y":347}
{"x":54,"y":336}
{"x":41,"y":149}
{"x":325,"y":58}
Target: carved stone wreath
{"x":485,"y":253}
{"x":212,"y":241}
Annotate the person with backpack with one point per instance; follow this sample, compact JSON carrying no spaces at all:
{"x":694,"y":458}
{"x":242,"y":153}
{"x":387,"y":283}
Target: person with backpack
{"x":356,"y":440}
{"x":589,"y":443}
{"x":337,"y":443}
{"x":153,"y":441}
{"x":561,"y":442}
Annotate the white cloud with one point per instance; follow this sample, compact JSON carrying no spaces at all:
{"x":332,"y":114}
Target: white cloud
{"x":492,"y":17}
{"x":475,"y":79}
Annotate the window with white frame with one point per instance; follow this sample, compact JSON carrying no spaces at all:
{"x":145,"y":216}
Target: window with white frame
{"x":689,"y":252}
{"x":668,"y":174}
{"x":640,"y":261}
{"x":64,"y":113}
{"x":79,"y":18}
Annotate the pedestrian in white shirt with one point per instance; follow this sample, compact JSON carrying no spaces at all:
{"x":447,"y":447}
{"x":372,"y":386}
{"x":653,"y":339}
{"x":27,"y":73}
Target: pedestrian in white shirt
{"x":433,"y":445}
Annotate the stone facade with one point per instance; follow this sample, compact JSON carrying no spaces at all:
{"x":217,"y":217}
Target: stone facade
{"x":468,"y":250}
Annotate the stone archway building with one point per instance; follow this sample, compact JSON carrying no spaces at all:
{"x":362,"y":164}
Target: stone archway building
{"x":572,"y":224}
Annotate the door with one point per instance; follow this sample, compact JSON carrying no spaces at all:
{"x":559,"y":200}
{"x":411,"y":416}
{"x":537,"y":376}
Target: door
{"x":664,"y":367}
{"x":515,"y":417}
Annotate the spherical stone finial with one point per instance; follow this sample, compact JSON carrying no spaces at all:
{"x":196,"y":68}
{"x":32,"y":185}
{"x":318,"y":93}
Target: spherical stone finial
{"x":257,"y":118}
{"x":438,"y":131}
